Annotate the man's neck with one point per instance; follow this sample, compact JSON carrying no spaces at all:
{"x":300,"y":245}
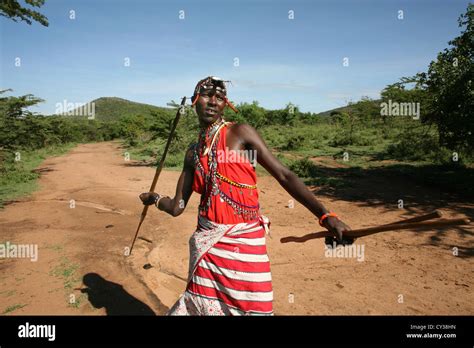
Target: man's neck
{"x":208,"y":125}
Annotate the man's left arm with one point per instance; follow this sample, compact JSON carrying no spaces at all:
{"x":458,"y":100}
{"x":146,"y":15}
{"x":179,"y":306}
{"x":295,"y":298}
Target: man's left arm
{"x":288,"y":180}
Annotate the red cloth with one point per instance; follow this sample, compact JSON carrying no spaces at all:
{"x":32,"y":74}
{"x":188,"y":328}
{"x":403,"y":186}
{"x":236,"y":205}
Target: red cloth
{"x":229,"y":271}
{"x":240,"y":171}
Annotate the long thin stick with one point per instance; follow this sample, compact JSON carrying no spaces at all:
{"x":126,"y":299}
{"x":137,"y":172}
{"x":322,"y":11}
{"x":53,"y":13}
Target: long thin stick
{"x":371,"y":230}
{"x":433,"y":215}
{"x":158,"y":170}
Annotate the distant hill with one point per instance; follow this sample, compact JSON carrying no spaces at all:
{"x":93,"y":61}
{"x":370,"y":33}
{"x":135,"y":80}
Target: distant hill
{"x":346,"y":108}
{"x":328,"y":112}
{"x":113,"y":108}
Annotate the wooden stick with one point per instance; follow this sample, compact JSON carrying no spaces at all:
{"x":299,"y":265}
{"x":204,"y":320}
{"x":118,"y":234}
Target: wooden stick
{"x":433,"y":215}
{"x":158,"y":171}
{"x":371,"y":230}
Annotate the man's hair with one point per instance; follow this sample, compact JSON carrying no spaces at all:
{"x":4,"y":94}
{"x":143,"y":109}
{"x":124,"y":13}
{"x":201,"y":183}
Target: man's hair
{"x":210,"y":82}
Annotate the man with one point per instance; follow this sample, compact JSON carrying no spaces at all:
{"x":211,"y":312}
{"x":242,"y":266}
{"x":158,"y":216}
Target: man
{"x":229,"y":270}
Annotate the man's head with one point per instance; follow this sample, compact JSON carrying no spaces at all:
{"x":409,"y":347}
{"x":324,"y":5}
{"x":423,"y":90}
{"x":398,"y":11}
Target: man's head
{"x":210,"y":99}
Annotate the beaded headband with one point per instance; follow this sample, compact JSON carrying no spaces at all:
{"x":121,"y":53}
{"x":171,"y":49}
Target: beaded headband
{"x":211,"y":83}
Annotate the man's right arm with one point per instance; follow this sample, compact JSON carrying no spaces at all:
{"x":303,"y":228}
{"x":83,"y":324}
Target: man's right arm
{"x":175,"y":206}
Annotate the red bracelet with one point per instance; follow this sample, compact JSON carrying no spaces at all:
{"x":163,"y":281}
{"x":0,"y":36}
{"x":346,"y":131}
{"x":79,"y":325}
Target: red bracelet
{"x":325,"y":216}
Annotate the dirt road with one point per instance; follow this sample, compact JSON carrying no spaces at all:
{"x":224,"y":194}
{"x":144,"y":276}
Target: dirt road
{"x":86,"y":211}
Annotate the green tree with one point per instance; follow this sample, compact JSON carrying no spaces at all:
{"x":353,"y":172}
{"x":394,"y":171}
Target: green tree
{"x":13,"y":10}
{"x":346,"y":123}
{"x":291,"y":113}
{"x":16,"y":107}
{"x":13,"y":110}
{"x":407,"y":90}
{"x":367,"y":111}
{"x":448,"y":83}
{"x":253,"y":114}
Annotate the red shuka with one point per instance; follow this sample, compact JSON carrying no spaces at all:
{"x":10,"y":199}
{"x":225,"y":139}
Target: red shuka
{"x":236,"y":167}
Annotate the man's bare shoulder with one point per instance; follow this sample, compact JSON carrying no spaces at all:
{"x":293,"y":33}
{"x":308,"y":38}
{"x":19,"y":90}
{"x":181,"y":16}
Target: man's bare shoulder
{"x":242,"y":129}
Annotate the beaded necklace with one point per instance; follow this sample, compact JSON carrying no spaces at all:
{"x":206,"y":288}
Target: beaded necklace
{"x":207,"y":145}
{"x":208,"y":135}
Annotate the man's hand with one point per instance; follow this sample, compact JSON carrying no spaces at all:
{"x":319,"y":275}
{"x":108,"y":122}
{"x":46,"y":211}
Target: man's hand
{"x":336,"y":226}
{"x":149,"y":198}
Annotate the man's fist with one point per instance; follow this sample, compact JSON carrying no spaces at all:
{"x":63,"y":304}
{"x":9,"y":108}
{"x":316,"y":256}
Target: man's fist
{"x":336,"y":226}
{"x":149,"y":198}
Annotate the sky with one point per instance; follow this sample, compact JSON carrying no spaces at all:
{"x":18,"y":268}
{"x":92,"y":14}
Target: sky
{"x":317,"y":55}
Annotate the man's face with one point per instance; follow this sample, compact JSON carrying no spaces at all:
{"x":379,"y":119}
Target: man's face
{"x":210,"y":106}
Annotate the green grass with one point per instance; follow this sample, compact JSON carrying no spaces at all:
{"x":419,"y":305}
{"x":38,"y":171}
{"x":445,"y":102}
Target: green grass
{"x":151,"y":153}
{"x":13,"y":308}
{"x":55,"y":247}
{"x":18,"y":178}
{"x":66,"y":270}
{"x":402,"y":147}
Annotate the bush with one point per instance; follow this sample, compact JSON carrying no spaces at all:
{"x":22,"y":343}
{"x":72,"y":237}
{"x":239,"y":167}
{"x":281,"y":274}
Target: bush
{"x":419,"y":147}
{"x":294,"y":143}
{"x":304,"y":168}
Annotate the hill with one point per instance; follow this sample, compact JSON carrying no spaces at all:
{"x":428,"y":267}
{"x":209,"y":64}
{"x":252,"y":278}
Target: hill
{"x":113,"y":108}
{"x":341,"y":109}
{"x":347,"y":108}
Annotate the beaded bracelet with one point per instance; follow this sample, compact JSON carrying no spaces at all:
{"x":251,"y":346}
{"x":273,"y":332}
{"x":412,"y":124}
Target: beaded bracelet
{"x":157,"y":202}
{"x":325,"y":216}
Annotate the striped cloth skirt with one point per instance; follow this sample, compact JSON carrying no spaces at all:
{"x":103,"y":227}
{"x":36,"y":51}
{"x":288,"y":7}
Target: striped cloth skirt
{"x":229,"y":271}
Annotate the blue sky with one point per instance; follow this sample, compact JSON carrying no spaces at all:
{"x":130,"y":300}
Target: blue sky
{"x":280,"y":60}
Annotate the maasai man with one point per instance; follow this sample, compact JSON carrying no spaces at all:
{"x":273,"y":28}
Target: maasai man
{"x":229,"y":270}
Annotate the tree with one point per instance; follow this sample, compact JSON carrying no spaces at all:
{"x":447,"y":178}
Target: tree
{"x":291,"y":113}
{"x":346,"y":122}
{"x":415,"y":93}
{"x":335,"y":117}
{"x":16,"y":107}
{"x":13,"y":10}
{"x":253,"y":114}
{"x":449,"y":86}
{"x":12,"y":110}
{"x":367,"y":110}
